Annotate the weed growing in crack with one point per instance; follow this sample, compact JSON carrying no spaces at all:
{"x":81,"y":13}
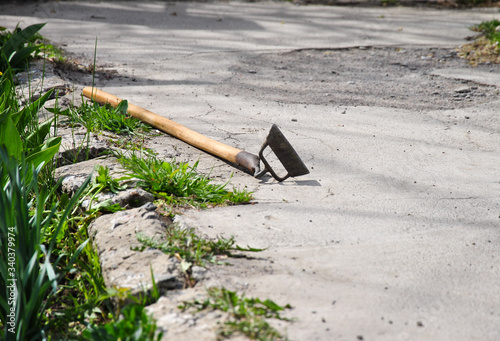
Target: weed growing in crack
{"x":104,"y":181}
{"x":131,"y":143}
{"x":191,"y":250}
{"x":96,"y":118}
{"x":178,"y":183}
{"x":246,"y":316}
{"x":185,"y":245}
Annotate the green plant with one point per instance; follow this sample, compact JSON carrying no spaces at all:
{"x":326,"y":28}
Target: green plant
{"x":51,"y":52}
{"x":20,"y":130}
{"x":485,"y":48}
{"x":106,"y":181}
{"x":135,"y":325}
{"x":131,"y":143}
{"x":18,"y":47}
{"x":83,"y":298}
{"x":489,"y":29}
{"x":30,"y":270}
{"x":178,"y":182}
{"x":192,"y":249}
{"x":60,"y":288}
{"x":144,"y":298}
{"x":245,"y":315}
{"x":81,"y":146}
{"x":96,"y":118}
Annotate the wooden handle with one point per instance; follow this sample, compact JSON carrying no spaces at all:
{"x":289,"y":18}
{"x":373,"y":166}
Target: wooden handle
{"x":231,"y":154}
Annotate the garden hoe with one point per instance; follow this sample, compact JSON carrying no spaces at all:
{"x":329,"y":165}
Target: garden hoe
{"x":275,"y":140}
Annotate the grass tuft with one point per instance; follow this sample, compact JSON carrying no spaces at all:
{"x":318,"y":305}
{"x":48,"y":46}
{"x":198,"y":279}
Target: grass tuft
{"x":178,"y":183}
{"x":485,"y":48}
{"x":246,"y":316}
{"x":192,"y":249}
{"x":96,"y":118}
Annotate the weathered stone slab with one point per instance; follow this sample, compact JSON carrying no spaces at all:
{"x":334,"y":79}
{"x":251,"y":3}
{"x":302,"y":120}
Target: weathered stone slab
{"x":184,"y":325}
{"x":74,"y":175}
{"x":114,"y":237}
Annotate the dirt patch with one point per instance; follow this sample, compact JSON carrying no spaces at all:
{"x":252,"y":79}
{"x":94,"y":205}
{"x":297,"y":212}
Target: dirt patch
{"x":382,"y":77}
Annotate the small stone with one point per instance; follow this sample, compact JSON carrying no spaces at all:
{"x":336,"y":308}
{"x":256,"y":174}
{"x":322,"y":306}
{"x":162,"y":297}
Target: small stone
{"x":115,"y":235}
{"x":149,"y":206}
{"x":198,"y":273}
{"x":462,"y":90}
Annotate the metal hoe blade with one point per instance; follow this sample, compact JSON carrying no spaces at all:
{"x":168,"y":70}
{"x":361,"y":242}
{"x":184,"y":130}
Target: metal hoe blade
{"x":285,"y":153}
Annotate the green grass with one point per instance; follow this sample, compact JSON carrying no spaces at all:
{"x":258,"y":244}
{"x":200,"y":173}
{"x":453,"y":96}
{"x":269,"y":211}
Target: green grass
{"x":178,"y":183}
{"x":130,"y":133}
{"x":132,"y":143}
{"x":246,"y":316}
{"x":103,"y":182}
{"x":135,"y":325}
{"x":96,"y":118}
{"x":485,"y":48}
{"x":193,"y":249}
{"x":489,"y":29}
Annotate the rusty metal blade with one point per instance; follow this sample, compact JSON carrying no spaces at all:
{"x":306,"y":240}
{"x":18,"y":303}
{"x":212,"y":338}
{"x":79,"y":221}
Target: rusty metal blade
{"x":285,"y":154}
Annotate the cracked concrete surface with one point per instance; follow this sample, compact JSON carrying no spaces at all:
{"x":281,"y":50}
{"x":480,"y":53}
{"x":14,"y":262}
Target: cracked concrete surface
{"x":394,"y":233}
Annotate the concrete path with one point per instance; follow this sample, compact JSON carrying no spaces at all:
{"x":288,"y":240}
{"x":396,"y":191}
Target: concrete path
{"x":395,"y":234}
